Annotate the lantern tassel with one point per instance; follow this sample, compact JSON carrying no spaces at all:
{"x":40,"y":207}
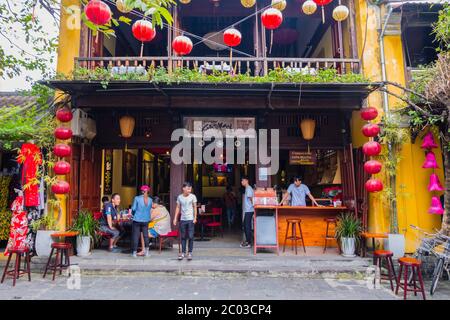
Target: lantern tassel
{"x":271,"y":42}
{"x":231,"y":59}
{"x":323,"y":15}
{"x":142,"y":49}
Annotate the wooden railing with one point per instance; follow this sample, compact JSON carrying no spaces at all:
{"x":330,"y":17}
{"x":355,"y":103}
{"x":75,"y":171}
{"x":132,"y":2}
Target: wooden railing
{"x":251,"y":66}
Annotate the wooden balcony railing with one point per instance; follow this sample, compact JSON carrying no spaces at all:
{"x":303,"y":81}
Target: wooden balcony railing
{"x":251,"y":66}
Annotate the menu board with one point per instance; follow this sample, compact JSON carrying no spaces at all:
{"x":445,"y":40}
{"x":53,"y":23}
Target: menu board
{"x":303,"y":158}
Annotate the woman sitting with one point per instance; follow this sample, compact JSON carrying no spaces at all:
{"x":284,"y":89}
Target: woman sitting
{"x":160,"y":223}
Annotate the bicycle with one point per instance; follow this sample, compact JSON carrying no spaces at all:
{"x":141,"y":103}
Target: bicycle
{"x":438,"y":245}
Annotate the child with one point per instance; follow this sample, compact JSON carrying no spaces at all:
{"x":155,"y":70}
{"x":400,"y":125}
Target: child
{"x":187,"y":206}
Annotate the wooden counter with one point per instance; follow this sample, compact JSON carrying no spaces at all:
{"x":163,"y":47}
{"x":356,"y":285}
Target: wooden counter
{"x":313,"y":224}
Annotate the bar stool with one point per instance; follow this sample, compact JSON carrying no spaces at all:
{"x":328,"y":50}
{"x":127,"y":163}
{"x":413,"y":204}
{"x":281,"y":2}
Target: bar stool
{"x":379,"y":256}
{"x":328,"y":237}
{"x":16,"y":272}
{"x":407,"y":263}
{"x":62,"y":254}
{"x":293,"y":223}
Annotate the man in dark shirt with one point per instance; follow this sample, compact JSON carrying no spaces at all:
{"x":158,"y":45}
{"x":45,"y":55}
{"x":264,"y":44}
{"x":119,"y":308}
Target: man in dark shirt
{"x":107,"y":222}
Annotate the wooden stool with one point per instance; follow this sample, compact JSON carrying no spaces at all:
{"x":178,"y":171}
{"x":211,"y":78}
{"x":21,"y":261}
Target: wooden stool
{"x":328,"y":236}
{"x":407,"y":263}
{"x":62,"y":259}
{"x":293,"y":237}
{"x":16,"y":272}
{"x":379,"y":255}
{"x":373,"y":236}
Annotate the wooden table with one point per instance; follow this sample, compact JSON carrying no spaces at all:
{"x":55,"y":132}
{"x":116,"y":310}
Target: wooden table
{"x":65,"y":234}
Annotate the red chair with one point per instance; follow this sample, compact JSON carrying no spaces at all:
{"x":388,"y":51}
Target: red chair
{"x":102,"y":235}
{"x":216,"y":224}
{"x":170,"y":236}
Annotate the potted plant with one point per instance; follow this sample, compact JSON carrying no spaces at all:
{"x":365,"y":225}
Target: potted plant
{"x":348,"y":229}
{"x":43,"y":228}
{"x":86,"y":226}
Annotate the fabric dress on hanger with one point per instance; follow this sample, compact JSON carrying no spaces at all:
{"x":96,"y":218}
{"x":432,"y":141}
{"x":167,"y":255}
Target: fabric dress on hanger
{"x":19,"y":226}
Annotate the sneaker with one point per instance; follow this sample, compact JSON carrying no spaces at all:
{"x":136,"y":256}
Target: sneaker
{"x":147,"y":253}
{"x":245,"y":245}
{"x":189,"y":256}
{"x":116,"y":250}
{"x":134,"y":254}
{"x":181,"y":256}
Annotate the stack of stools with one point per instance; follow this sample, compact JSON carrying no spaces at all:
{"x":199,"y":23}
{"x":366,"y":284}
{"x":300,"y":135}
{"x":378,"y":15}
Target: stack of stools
{"x":329,"y":237}
{"x":378,"y":257}
{"x":293,"y":223}
{"x":410,"y":265}
{"x":16,"y":272}
{"x":62,"y":258}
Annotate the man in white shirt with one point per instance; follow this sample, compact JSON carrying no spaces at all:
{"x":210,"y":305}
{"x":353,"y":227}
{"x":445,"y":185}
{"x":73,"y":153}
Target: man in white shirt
{"x":298,"y":192}
{"x":247,"y":211}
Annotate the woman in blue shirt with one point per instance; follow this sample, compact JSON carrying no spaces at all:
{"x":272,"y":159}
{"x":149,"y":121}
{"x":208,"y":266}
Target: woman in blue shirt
{"x":141,"y":210}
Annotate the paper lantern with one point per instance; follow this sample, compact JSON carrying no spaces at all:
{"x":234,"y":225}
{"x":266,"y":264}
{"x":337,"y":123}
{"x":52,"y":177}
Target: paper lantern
{"x":64,"y":114}
{"x":272,"y":18}
{"x":62,"y":150}
{"x":309,"y":7}
{"x":185,"y":1}
{"x":308,"y":126}
{"x":63,"y":133}
{"x":248,"y":3}
{"x":61,"y":168}
{"x":98,"y":12}
{"x":428,"y":141}
{"x":435,"y":184}
{"x":143,"y":30}
{"x":374,"y":185}
{"x":182,"y":45}
{"x":214,"y":41}
{"x":372,"y":167}
{"x":436,"y":206}
{"x":232,"y":37}
{"x":340,"y":13}
{"x":371,"y":130}
{"x":322,"y":3}
{"x":371,"y":148}
{"x":122,"y":7}
{"x":61,"y":187}
{"x":369,"y":113}
{"x":279,"y":4}
{"x":430,"y":161}
{"x":127,"y":126}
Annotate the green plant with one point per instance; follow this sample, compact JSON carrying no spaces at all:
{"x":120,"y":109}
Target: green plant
{"x":85,"y":224}
{"x":5,"y":223}
{"x":348,"y":226}
{"x":47,"y":222}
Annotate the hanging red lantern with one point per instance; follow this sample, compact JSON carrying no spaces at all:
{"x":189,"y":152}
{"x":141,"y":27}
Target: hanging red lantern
{"x":62,"y":150}
{"x":143,"y":30}
{"x":369,"y":113}
{"x":371,"y":130}
{"x":272,"y":18}
{"x":322,"y":3}
{"x":63,"y":133}
{"x":372,"y":167}
{"x":61,"y":187}
{"x":182,"y":45}
{"x":98,"y":12}
{"x":232,"y":37}
{"x":371,"y":148}
{"x":61,"y":167}
{"x":374,"y":185}
{"x":64,"y":115}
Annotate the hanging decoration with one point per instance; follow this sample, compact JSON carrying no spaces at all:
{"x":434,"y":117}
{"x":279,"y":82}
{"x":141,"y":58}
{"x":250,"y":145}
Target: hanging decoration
{"x":62,"y":150}
{"x":279,"y":4}
{"x":428,"y":141}
{"x":122,"y":6}
{"x":436,"y":206}
{"x":182,"y":45}
{"x":61,"y":187}
{"x":272,"y":18}
{"x":374,"y":185}
{"x":30,"y":157}
{"x":371,"y":148}
{"x":61,"y":168}
{"x":372,"y":167}
{"x":430,"y":161}
{"x":340,"y":13}
{"x":63,"y":133}
{"x":248,"y":3}
{"x":143,"y":31}
{"x":127,"y":126}
{"x":98,"y":12}
{"x":322,"y":3}
{"x":309,"y":7}
{"x":214,"y":41}
{"x":185,"y":1}
{"x":435,"y":184}
{"x":369,"y":113}
{"x":371,"y":130}
{"x":64,"y":115}
{"x":232,"y":38}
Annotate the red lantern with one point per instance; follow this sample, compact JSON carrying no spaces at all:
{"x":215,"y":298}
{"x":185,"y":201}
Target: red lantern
{"x":61,"y":187}
{"x":98,"y":12}
{"x":374,"y":185}
{"x":62,"y":150}
{"x":232,"y":37}
{"x":63,"y":133}
{"x":143,"y":30}
{"x":272,"y":18}
{"x":64,"y":115}
{"x":371,"y":130}
{"x":371,"y":148}
{"x":372,"y":167}
{"x":61,"y":168}
{"x":369,"y":113}
{"x":182,"y":45}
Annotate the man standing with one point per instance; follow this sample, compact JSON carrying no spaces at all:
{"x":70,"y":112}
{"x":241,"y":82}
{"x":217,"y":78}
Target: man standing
{"x":248,"y":211}
{"x":109,"y":214}
{"x":141,"y":210}
{"x":298,"y":192}
{"x":187,"y":206}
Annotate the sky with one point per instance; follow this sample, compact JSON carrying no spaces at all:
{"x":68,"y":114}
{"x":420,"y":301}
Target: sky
{"x":20,"y":82}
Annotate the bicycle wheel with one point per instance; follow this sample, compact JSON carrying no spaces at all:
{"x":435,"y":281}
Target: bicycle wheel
{"x":437,"y":273}
{"x":418,"y":256}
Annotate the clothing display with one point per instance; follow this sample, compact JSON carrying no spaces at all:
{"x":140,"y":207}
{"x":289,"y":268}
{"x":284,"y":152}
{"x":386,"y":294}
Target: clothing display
{"x":19,"y":226}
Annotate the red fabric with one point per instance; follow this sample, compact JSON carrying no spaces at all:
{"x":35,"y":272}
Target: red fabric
{"x":97,"y":215}
{"x":214,"y":224}
{"x":30,"y":157}
{"x":19,"y":226}
{"x":216,"y":210}
{"x":171,"y":234}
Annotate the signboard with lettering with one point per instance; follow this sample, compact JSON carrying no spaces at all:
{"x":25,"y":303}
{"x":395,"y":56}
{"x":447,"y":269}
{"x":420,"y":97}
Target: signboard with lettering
{"x":303,"y":158}
{"x":198,"y":125}
{"x":108,"y":172}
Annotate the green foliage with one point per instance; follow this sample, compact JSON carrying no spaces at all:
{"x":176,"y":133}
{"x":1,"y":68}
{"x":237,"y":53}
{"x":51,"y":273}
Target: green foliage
{"x":441,"y":28}
{"x":348,"y":226}
{"x":5,"y":223}
{"x":4,"y":192}
{"x":47,"y":222}
{"x":85,"y":224}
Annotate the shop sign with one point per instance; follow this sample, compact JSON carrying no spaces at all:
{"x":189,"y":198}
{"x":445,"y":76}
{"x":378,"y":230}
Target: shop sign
{"x":303,"y":158}
{"x":199,"y":125}
{"x":108,"y":175}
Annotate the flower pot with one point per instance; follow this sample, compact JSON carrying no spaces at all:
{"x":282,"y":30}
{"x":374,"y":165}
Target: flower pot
{"x":348,"y":246}
{"x":396,"y":244}
{"x":83,"y":246}
{"x":44,"y":242}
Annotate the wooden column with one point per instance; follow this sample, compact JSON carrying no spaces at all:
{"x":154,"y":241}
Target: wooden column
{"x":262,"y":124}
{"x":176,"y":171}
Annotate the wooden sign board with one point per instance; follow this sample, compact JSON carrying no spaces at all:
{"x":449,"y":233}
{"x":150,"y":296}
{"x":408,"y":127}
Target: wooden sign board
{"x":303,"y":158}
